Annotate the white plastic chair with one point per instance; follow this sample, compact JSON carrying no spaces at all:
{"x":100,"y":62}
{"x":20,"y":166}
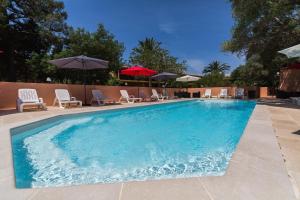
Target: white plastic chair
{"x":29,"y":97}
{"x":129,"y":99}
{"x":99,"y":97}
{"x":223,"y":93}
{"x":63,"y":98}
{"x":207,"y":93}
{"x":157,"y":96}
{"x":239,"y":93}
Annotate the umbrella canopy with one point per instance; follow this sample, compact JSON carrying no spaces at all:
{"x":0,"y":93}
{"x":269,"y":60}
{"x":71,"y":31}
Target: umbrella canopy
{"x":292,"y":52}
{"x":80,"y":62}
{"x":138,"y":71}
{"x":164,"y":76}
{"x":187,"y":78}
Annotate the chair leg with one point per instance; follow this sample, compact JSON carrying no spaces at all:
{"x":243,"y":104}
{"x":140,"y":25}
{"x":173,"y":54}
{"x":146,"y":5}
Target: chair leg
{"x":21,"y":108}
{"x":61,"y":104}
{"x":120,"y":100}
{"x":54,"y":101}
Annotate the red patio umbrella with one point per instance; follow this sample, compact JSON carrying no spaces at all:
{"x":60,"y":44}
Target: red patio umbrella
{"x":138,"y":71}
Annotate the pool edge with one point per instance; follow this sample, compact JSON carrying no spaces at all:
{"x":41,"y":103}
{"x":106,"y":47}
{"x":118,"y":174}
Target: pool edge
{"x":211,"y":186}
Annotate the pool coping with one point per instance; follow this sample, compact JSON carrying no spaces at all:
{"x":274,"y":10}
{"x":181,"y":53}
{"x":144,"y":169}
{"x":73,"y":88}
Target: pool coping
{"x":256,"y":170}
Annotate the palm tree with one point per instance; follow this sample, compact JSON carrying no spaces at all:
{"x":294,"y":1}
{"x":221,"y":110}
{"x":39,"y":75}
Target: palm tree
{"x":146,"y":53}
{"x":216,"y":67}
{"x":150,"y":53}
{"x":149,"y":44}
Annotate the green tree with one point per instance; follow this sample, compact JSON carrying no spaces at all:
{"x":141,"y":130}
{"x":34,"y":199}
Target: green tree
{"x":263,"y":27}
{"x":214,"y":74}
{"x":28,"y":27}
{"x":150,"y":54}
{"x":40,"y":69}
{"x":99,"y":44}
{"x":216,"y":67}
{"x":214,"y":79}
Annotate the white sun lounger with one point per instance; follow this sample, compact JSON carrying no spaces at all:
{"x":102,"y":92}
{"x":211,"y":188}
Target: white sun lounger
{"x":29,"y":97}
{"x":207,"y":93}
{"x":63,"y":99}
{"x":99,"y":97}
{"x":239,"y":93}
{"x":157,"y":96}
{"x":129,"y":99}
{"x":223,"y":93}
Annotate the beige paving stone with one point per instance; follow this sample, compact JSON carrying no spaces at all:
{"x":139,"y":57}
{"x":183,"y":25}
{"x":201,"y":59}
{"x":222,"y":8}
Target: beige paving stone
{"x":5,"y":156}
{"x":6,"y":173}
{"x":286,"y":128}
{"x":247,"y":183}
{"x":179,"y":189}
{"x":286,"y":134}
{"x":296,"y":181}
{"x":8,"y":191}
{"x":255,"y":162}
{"x":292,"y":126}
{"x":280,"y":121}
{"x":292,"y":159}
{"x":83,"y":192}
{"x":290,"y":143}
{"x":258,"y":144}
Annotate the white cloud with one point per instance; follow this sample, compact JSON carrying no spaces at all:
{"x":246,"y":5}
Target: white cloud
{"x":168,"y":28}
{"x":195,"y":66}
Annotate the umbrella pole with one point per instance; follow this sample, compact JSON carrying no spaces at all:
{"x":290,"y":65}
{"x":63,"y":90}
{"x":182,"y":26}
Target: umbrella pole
{"x":84,"y":94}
{"x":84,"y":82}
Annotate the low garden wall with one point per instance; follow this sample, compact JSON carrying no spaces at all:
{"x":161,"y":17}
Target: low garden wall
{"x":9,"y":90}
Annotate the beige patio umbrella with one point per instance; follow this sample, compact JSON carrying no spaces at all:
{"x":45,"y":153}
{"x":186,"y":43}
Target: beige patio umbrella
{"x":292,"y":52}
{"x":187,"y":78}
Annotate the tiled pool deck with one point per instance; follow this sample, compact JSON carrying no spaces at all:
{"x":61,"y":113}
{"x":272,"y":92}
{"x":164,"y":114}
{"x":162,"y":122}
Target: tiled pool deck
{"x":256,"y":171}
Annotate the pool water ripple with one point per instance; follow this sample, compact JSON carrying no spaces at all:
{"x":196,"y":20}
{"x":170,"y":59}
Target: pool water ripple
{"x":185,"y":139}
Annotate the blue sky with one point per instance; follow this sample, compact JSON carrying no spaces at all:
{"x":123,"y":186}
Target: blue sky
{"x":192,"y":30}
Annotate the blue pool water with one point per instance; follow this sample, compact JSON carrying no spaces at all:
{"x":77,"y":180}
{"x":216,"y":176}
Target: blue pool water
{"x":185,"y":139}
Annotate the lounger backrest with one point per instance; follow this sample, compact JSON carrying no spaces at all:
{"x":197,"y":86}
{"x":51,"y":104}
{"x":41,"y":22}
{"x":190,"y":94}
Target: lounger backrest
{"x":28,"y":95}
{"x":154,"y":92}
{"x":240,"y":92}
{"x":223,"y":92}
{"x":97,"y":94}
{"x":124,"y":94}
{"x":62,"y":95}
{"x":207,"y":92}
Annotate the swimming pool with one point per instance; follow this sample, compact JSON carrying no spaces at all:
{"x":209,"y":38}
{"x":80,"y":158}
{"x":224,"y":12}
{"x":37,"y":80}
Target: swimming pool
{"x":183,"y":139}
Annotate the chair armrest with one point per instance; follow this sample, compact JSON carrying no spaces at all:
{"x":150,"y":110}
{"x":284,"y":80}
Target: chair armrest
{"x":41,"y":100}
{"x":73,"y":98}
